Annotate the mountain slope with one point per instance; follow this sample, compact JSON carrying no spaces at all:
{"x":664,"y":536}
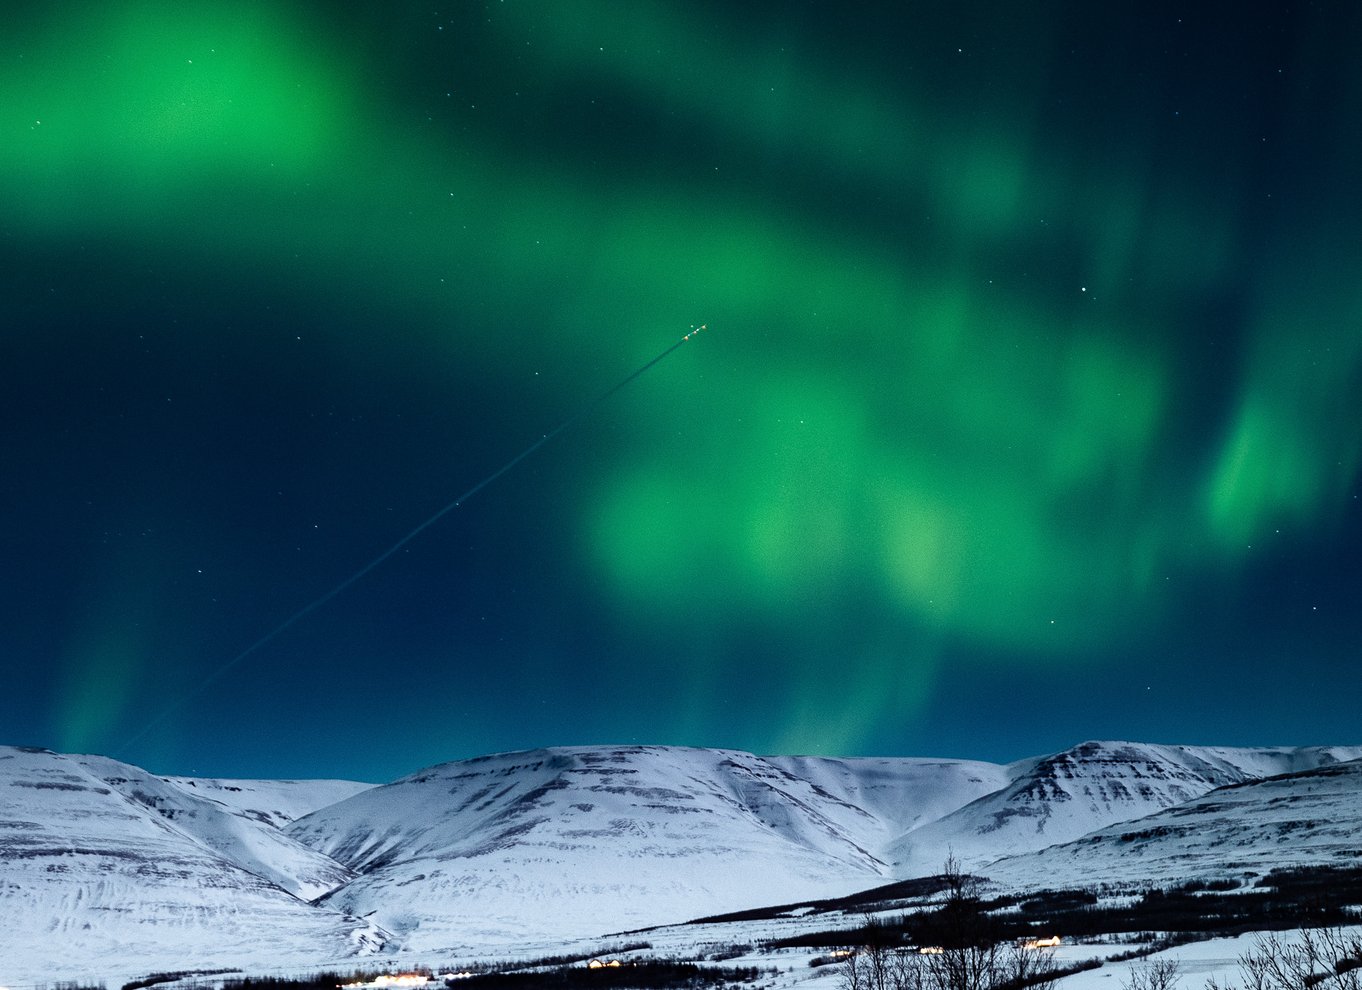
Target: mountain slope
{"x":241,"y":834}
{"x":575,"y":842}
{"x":1058,"y":798}
{"x":579,"y":841}
{"x":271,"y":802}
{"x":104,"y":867}
{"x":1307,"y":818}
{"x":902,"y":794}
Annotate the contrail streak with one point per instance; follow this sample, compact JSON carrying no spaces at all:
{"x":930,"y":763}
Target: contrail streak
{"x":317,"y":603}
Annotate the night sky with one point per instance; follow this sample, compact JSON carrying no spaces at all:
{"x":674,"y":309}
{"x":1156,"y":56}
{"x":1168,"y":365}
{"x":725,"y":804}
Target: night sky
{"x":1029,"y":411}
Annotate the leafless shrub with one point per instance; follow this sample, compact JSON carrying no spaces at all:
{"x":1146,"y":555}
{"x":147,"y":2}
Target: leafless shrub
{"x":1301,"y":960}
{"x":968,"y":956}
{"x":1153,"y":974}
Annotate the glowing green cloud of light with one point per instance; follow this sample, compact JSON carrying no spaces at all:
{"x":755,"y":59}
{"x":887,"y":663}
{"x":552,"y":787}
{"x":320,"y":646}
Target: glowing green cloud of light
{"x":128,"y":105}
{"x":1293,"y":448}
{"x":105,"y":655}
{"x":927,"y":420}
{"x":972,"y":497}
{"x":101,"y":684}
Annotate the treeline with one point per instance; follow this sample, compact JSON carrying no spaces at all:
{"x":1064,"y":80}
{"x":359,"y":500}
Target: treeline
{"x":642,"y":975}
{"x":318,"y":981}
{"x":171,"y":977}
{"x":1298,"y":898}
{"x":1281,"y":900}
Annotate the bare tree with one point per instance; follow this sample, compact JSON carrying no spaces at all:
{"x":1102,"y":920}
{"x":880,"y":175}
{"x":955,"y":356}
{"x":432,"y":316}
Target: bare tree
{"x":962,"y":950}
{"x":853,"y":974}
{"x":1033,"y":968}
{"x":1301,"y":960}
{"x":971,"y":955}
{"x":878,"y":966}
{"x":1153,"y":974}
{"x":965,"y":967}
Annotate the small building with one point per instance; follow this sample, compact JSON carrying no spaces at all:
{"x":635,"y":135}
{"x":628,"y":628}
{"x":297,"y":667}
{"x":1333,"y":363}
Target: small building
{"x":1040,"y":943}
{"x":390,"y":981}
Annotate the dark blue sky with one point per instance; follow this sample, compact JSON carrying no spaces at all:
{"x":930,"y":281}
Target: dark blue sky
{"x":1028,"y":411}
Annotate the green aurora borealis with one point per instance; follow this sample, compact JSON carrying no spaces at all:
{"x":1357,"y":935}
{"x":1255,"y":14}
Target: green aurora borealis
{"x":1031,"y":386}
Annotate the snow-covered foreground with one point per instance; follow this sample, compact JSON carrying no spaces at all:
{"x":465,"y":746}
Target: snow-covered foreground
{"x":790,"y":969}
{"x":1198,"y":962}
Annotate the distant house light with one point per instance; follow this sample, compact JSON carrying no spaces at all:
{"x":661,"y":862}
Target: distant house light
{"x":389,"y":981}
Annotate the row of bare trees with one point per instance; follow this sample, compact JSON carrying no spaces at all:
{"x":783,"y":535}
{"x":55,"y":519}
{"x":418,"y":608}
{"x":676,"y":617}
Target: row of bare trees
{"x":996,"y":967}
{"x":966,"y":953}
{"x":1306,"y":959}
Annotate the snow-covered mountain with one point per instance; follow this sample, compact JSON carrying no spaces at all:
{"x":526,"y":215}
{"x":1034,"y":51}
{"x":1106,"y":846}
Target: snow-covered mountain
{"x":1055,"y":799}
{"x":579,"y":841}
{"x":107,"y":870}
{"x":1238,"y":832}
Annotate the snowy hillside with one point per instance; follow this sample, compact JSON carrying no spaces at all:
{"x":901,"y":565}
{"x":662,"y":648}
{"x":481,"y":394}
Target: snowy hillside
{"x":902,"y":794}
{"x":1058,"y":798}
{"x":242,"y":834}
{"x":577,"y":842}
{"x":1307,"y":818}
{"x":270,"y":802}
{"x":581,"y":841}
{"x":105,"y":869}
